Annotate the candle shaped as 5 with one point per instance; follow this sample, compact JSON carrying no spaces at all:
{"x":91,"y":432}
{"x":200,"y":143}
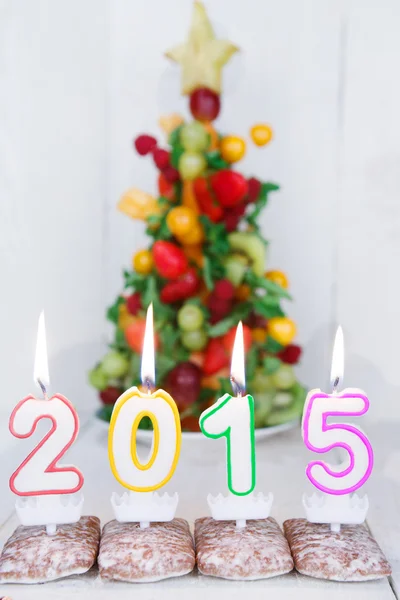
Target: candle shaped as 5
{"x":322,"y":434}
{"x":129,"y":410}
{"x":232,"y":417}
{"x":40,"y":475}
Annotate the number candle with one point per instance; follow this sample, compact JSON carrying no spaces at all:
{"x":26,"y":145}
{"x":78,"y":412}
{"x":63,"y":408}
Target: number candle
{"x":337,"y":503}
{"x":40,"y":482}
{"x":141,"y":504}
{"x":232,"y":417}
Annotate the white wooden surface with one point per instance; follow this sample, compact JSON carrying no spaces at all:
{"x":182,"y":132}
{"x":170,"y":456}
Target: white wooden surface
{"x":281,"y":463}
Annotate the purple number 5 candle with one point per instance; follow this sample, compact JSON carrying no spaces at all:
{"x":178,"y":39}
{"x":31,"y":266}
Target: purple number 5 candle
{"x":324,"y":430}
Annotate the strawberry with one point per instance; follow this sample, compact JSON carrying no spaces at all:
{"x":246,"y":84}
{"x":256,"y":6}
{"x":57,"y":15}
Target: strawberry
{"x":144,"y":144}
{"x":169,"y":260}
{"x":134,"y":303}
{"x":171,"y":174}
{"x":110,"y":395}
{"x":229,"y":339}
{"x":224,"y":289}
{"x":161,"y":158}
{"x":232,"y":216}
{"x":206,"y":200}
{"x":216,"y":357}
{"x":290,"y":355}
{"x":230,"y":187}
{"x":134,"y":335}
{"x":254,"y":188}
{"x":186,"y":286}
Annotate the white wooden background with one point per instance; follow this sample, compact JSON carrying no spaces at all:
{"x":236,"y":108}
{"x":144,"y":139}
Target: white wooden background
{"x":78,"y":78}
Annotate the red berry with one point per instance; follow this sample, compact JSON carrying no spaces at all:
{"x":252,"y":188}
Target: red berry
{"x":183,"y":382}
{"x":254,"y":188}
{"x":216,"y":357}
{"x":145,"y":144}
{"x":171,"y":174}
{"x":204,"y":104}
{"x":233,"y":216}
{"x":230,"y":187}
{"x":169,"y":260}
{"x":224,"y":289}
{"x":256,"y":321}
{"x":186,"y":286}
{"x":110,"y":395}
{"x":291,"y":354}
{"x":218,"y":308}
{"x":229,"y":339}
{"x":161,"y":158}
{"x":134,"y":303}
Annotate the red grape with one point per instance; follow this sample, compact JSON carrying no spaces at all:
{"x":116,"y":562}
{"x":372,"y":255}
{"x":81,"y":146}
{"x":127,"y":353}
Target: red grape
{"x":204,"y":104}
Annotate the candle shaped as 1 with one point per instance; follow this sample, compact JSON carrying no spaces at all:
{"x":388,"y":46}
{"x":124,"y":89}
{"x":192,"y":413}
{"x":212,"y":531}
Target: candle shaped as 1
{"x":322,"y":432}
{"x":141,"y":504}
{"x":48,"y":494}
{"x":232,"y":417}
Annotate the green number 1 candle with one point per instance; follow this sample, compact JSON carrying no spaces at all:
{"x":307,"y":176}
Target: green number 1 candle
{"x":232,"y":417}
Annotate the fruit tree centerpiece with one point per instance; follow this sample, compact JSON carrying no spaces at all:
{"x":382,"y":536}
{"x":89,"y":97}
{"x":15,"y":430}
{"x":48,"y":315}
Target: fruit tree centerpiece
{"x":204,"y":269}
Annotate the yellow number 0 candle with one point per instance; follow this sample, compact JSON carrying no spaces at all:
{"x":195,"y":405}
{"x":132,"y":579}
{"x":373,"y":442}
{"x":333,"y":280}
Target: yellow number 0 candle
{"x":146,"y":477}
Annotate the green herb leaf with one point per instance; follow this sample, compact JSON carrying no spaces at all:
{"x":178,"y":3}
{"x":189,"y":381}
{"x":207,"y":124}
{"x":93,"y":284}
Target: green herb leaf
{"x":264,"y":283}
{"x":215,"y":160}
{"x":176,"y":153}
{"x":239,"y":313}
{"x":272,"y":346}
{"x":261,"y":202}
{"x":113,"y":311}
{"x":267,"y":309}
{"x":251,"y":362}
{"x":173,"y":137}
{"x":207,"y":273}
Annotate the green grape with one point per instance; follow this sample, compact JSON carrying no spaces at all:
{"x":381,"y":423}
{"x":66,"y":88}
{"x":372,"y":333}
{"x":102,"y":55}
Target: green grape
{"x":115,"y":364}
{"x":235,"y":268}
{"x":191,"y":165}
{"x":194,"y":340}
{"x":98,"y":379}
{"x":190,"y":317}
{"x":194,"y":137}
{"x":262,"y":408}
{"x":284,"y":378}
{"x":261,"y":382}
{"x":283,"y":415}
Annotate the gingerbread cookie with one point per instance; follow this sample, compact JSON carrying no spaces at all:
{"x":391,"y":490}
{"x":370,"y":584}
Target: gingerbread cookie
{"x":257,"y":551}
{"x":160,"y":551}
{"x":350,"y":555}
{"x":32,"y":556}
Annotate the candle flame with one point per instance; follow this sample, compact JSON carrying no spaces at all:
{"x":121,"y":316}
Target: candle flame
{"x":238,"y":377}
{"x":148,"y":370}
{"x":337,"y":367}
{"x":41,"y":367}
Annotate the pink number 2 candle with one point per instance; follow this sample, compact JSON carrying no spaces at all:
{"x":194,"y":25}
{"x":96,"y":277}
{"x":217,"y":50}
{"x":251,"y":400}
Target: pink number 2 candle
{"x":321,"y":433}
{"x":39,"y":481}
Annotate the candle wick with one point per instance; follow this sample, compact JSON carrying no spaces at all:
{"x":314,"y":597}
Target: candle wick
{"x":43,"y":388}
{"x":335,"y":385}
{"x":149,"y":384}
{"x":237,"y":388}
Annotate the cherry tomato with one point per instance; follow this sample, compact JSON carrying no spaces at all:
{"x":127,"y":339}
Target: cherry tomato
{"x":261,"y":134}
{"x":142,"y":262}
{"x":181,"y":220}
{"x":229,"y":339}
{"x":170,"y":261}
{"x":233,"y":148}
{"x":278,"y":277}
{"x":134,"y":335}
{"x":194,"y":237}
{"x":190,"y":317}
{"x":206,"y":199}
{"x":281,"y":329}
{"x":184,"y":287}
{"x":259,"y":334}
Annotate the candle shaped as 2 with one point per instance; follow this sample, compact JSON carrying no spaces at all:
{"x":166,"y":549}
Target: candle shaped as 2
{"x":39,"y":477}
{"x":323,"y":433}
{"x":144,"y":478}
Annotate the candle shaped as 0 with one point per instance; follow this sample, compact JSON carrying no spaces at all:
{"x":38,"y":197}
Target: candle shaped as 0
{"x":131,"y":407}
{"x":321,"y":435}
{"x":232,"y":417}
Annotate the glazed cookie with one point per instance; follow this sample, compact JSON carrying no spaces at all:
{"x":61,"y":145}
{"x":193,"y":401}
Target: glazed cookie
{"x":257,"y":551}
{"x":160,"y":551}
{"x":32,"y":556}
{"x":350,"y":555}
